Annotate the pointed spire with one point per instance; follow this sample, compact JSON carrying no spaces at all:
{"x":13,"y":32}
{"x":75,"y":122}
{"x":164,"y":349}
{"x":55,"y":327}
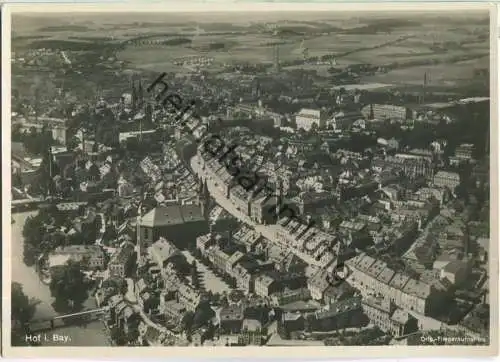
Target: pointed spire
{"x":201,"y":186}
{"x":140,"y":91}
{"x":140,"y":95}
{"x":205,"y":188}
{"x":134,"y":96}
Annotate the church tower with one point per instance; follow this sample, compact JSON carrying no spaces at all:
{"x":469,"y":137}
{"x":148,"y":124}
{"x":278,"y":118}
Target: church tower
{"x":134,"y":97}
{"x":140,"y":94}
{"x":201,"y":187}
{"x":148,"y":113}
{"x":204,"y":197}
{"x":140,"y":243}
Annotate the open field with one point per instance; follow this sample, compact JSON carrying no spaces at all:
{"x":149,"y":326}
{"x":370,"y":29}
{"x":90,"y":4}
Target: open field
{"x":385,"y":56}
{"x":251,"y":50}
{"x":418,"y":43}
{"x":440,"y":74}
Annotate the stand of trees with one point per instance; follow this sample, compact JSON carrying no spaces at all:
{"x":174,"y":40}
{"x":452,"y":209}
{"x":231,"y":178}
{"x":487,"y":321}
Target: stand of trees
{"x":22,"y":311}
{"x":194,"y":275}
{"x":118,"y":336}
{"x":44,"y":183}
{"x":35,"y":242}
{"x":38,"y":240}
{"x":191,"y":321}
{"x":68,"y":286}
{"x":35,"y":142}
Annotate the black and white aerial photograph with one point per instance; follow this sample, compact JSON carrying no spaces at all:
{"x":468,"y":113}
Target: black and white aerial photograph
{"x":274,"y":179}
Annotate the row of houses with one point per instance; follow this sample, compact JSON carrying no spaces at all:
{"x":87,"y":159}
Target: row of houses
{"x":412,"y":167}
{"x":177,"y":295}
{"x":252,"y":274}
{"x":259,"y":206}
{"x":308,"y":242}
{"x":373,"y":277}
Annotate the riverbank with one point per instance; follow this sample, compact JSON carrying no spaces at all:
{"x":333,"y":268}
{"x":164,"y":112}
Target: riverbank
{"x":92,"y":334}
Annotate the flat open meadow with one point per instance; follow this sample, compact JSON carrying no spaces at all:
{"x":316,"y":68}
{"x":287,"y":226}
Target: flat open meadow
{"x":450,"y":46}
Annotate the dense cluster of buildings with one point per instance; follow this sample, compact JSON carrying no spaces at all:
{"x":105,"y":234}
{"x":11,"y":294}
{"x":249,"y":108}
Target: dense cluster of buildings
{"x":309,"y":235}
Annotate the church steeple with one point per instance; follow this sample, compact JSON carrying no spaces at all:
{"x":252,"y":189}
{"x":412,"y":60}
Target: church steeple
{"x":206,"y":193}
{"x":140,"y":94}
{"x":139,"y":241}
{"x":201,"y":186}
{"x":134,"y":96}
{"x":204,"y":198}
{"x":148,"y":112}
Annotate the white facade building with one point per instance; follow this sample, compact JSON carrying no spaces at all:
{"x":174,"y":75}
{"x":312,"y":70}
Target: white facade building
{"x":307,"y":117}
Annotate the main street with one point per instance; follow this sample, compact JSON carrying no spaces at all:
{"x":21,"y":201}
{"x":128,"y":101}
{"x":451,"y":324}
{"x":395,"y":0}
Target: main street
{"x":267,"y":231}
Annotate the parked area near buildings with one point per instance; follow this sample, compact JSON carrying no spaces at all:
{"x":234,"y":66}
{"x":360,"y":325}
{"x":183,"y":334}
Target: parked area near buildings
{"x":209,"y":281}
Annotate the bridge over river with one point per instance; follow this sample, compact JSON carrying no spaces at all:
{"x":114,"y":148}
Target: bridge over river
{"x":23,"y":205}
{"x":43,"y":325}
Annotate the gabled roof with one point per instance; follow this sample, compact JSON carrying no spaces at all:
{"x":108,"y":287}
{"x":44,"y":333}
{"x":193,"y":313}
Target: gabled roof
{"x":341,"y":307}
{"x":400,"y":316}
{"x":292,"y":260}
{"x":291,"y":316}
{"x":172,"y":215}
{"x":115,"y":300}
{"x":163,"y":250}
{"x":123,"y":254}
{"x":231,"y":313}
{"x":454,"y":266}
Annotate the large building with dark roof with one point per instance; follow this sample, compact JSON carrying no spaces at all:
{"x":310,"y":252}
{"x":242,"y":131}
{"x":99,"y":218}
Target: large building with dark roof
{"x":181,"y":224}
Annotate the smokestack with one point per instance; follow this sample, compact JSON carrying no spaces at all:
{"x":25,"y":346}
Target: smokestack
{"x":276,"y":58}
{"x":424,"y":88}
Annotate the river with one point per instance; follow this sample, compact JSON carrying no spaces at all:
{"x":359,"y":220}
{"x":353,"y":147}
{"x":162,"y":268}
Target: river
{"x":93,"y":334}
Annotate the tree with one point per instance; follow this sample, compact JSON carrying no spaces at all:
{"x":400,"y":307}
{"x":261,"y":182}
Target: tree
{"x":119,"y":336}
{"x":187,"y":321}
{"x":68,"y":285}
{"x":16,"y":133}
{"x":17,"y":181}
{"x":202,"y":314}
{"x":72,"y":143}
{"x":194,"y":275}
{"x":44,"y":184}
{"x":133,"y":328}
{"x":236,"y":295}
{"x":461,"y":192}
{"x":36,"y":142}
{"x":30,"y":254}
{"x":89,"y":232}
{"x":314,"y":128}
{"x":108,"y":134}
{"x":22,"y":311}
{"x":33,"y":232}
{"x":210,"y":333}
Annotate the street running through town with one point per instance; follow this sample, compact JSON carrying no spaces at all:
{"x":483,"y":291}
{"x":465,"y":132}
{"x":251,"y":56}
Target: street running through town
{"x":217,"y":148}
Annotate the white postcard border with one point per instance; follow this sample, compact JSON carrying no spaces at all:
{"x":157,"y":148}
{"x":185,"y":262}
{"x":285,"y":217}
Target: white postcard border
{"x":248,"y":352}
